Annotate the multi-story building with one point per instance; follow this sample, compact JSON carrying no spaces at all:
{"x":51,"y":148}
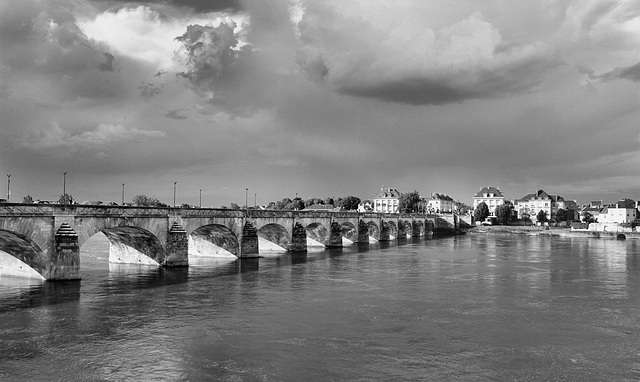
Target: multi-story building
{"x":387,"y":200}
{"x":531,"y":204}
{"x":491,"y":196}
{"x":440,"y":203}
{"x":624,"y":211}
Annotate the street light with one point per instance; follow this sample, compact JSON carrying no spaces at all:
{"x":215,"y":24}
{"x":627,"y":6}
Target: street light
{"x":64,"y":188}
{"x":255,"y":200}
{"x":174,"y":194}
{"x":8,"y":186}
{"x":122,"y":194}
{"x":246,"y":190}
{"x":201,"y":198}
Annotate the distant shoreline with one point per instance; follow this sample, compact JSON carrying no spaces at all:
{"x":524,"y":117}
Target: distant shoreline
{"x":546,"y":231}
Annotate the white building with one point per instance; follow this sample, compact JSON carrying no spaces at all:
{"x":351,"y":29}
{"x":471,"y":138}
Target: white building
{"x":491,"y":196}
{"x":440,"y":203}
{"x":387,"y":200}
{"x":624,"y":211}
{"x":531,"y":204}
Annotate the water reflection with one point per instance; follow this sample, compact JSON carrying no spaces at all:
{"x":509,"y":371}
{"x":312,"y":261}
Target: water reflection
{"x":37,"y":294}
{"x":298,"y":258}
{"x":249,"y":265}
{"x":488,"y":307}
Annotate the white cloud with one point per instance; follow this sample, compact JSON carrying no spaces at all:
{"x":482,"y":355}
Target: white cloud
{"x":608,"y":21}
{"x":145,"y":34}
{"x":406,"y":60}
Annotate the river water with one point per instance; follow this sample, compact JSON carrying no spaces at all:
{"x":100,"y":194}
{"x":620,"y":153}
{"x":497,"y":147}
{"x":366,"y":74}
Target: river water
{"x":467,"y":308}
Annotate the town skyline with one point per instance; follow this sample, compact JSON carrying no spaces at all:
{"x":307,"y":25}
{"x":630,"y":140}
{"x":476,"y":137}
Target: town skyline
{"x":319,"y":98}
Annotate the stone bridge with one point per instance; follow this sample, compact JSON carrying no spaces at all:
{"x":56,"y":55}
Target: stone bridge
{"x":47,"y":238}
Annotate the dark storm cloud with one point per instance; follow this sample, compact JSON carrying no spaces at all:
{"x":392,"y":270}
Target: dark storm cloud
{"x":630,"y":73}
{"x":149,"y":90}
{"x":241,"y":76}
{"x":108,"y":64}
{"x":209,"y":51}
{"x":439,"y":91}
{"x":176,"y":114}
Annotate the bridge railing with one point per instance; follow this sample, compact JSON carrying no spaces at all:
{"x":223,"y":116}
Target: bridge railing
{"x":20,"y":209}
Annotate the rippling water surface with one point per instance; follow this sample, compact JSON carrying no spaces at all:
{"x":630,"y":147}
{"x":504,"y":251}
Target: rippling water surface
{"x":474,"y":308}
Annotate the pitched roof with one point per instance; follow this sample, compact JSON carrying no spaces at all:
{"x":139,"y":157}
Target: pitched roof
{"x":557,"y":198}
{"x":435,"y":195}
{"x":571,"y":205}
{"x":525,"y":198}
{"x":626,"y":203}
{"x":540,"y":194}
{"x":388,"y":193}
{"x":489,"y":190}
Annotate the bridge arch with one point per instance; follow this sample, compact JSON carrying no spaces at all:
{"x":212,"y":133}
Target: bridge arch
{"x":21,"y":256}
{"x":393,"y":230}
{"x":374,"y":230}
{"x":418,"y":228}
{"x":349,"y":232}
{"x":318,"y":232}
{"x":134,"y":245}
{"x":275,"y":234}
{"x":407,"y":228}
{"x":213,"y":240}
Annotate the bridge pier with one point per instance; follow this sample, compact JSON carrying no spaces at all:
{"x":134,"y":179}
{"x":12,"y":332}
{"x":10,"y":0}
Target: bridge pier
{"x":298,"y":238}
{"x":429,"y":226}
{"x":402,"y":230}
{"x":363,"y":232}
{"x":177,"y":249}
{"x":249,"y":241}
{"x":64,"y":259}
{"x":384,"y":231}
{"x":335,"y":235}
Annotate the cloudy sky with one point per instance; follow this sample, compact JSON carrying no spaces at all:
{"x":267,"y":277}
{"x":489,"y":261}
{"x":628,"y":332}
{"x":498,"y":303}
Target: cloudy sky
{"x":319,"y":97}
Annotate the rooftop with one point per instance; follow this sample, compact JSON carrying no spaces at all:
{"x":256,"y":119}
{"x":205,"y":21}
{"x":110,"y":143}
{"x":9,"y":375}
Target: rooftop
{"x":388,"y":193}
{"x":489,"y":190}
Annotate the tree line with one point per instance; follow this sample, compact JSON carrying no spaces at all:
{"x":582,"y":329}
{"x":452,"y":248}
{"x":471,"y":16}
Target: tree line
{"x":347,"y":203}
{"x":408,"y":202}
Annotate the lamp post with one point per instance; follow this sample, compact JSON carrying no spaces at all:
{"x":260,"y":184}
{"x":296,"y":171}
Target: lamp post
{"x":174,"y":194}
{"x":122,"y":194}
{"x":8,"y":186}
{"x":201,"y":198}
{"x":255,"y":200}
{"x":64,"y":188}
{"x":246,"y":190}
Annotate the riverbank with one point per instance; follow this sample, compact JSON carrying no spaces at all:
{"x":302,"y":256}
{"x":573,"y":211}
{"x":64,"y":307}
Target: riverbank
{"x":545,"y":231}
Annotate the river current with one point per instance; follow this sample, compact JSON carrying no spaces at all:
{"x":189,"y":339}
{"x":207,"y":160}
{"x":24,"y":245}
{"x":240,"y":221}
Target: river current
{"x":466,"y":308}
